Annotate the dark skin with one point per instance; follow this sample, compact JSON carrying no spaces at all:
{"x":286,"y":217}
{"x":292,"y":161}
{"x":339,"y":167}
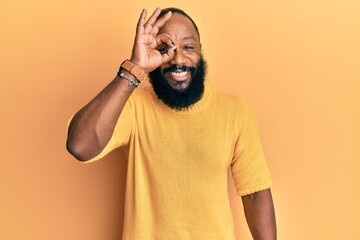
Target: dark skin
{"x":169,"y":40}
{"x":260,"y":215}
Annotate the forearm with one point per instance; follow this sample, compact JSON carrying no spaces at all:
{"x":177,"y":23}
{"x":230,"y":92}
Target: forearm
{"x":92,"y":127}
{"x":260,"y":215}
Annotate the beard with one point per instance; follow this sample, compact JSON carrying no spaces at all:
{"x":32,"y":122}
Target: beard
{"x":184,"y":98}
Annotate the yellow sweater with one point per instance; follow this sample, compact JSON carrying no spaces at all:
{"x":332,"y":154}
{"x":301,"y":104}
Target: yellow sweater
{"x":176,"y":185}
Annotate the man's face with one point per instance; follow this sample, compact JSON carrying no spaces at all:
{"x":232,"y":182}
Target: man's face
{"x":188,"y":52}
{"x":182,"y":78}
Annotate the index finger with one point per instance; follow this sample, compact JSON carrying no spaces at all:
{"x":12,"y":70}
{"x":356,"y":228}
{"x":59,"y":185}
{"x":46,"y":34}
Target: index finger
{"x":160,"y":22}
{"x":164,"y":38}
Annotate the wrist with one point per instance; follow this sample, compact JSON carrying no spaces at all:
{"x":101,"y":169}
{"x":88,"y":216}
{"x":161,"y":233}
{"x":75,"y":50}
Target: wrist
{"x":135,"y":61}
{"x":126,"y":75}
{"x":134,"y":70}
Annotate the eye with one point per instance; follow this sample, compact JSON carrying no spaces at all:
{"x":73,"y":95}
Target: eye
{"x":163,"y":49}
{"x":188,"y":48}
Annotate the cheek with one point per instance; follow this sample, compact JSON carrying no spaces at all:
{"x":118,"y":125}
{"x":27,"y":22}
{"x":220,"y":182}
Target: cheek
{"x":193,"y":57}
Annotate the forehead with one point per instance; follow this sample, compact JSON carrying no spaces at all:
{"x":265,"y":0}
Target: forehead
{"x":180,"y":27}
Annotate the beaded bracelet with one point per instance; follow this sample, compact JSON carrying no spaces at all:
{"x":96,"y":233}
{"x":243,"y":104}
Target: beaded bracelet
{"x":131,"y":82}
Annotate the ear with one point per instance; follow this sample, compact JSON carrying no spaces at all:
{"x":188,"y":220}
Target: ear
{"x":200,"y":46}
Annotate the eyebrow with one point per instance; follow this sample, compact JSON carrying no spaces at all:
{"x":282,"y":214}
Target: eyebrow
{"x":189,"y":37}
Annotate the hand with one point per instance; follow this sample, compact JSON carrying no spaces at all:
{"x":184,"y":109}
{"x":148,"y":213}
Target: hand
{"x":145,"y":53}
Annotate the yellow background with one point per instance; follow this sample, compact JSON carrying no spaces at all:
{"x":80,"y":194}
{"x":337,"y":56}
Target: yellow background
{"x":297,"y":63}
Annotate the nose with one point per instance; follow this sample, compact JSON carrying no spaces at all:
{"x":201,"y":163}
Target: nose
{"x":179,"y":58}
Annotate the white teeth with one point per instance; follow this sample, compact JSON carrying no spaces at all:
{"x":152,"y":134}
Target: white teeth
{"x":178,"y":74}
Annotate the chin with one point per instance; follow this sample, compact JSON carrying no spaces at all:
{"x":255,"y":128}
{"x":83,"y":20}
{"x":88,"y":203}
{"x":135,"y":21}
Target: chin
{"x":180,"y":86}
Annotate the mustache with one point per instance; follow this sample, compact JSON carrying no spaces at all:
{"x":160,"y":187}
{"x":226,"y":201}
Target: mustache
{"x":176,"y":67}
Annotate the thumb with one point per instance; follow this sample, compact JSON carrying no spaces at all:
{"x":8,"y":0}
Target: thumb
{"x":169,"y":54}
{"x":167,"y":46}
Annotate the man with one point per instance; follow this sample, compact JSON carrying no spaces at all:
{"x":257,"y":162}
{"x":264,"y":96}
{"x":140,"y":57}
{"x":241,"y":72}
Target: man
{"x":181,"y":135}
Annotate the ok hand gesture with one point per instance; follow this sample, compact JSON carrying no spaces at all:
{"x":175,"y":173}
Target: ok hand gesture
{"x":147,"y":39}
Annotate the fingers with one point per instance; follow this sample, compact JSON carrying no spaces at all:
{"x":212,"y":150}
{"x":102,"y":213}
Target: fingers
{"x":150,"y":22}
{"x":159,"y":23}
{"x":141,"y":22}
{"x":148,"y":43}
{"x":168,"y":56}
{"x":164,"y":41}
{"x":153,"y":24}
{"x":164,"y":38}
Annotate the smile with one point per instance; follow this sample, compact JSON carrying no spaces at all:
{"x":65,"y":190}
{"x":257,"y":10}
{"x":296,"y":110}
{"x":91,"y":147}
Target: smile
{"x":178,"y":74}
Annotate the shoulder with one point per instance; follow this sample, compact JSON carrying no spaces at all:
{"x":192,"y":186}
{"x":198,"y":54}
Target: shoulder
{"x":234,"y":107}
{"x":228,"y":101}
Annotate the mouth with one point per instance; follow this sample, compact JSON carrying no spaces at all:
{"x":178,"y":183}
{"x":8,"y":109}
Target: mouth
{"x":178,"y":79}
{"x":178,"y":75}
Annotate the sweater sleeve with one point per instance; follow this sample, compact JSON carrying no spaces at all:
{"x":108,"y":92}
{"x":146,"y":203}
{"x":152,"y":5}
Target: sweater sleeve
{"x":122,"y":132}
{"x":248,"y":166}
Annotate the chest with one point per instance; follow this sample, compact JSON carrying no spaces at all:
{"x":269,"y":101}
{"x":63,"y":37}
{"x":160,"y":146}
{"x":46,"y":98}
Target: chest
{"x":195,"y":141}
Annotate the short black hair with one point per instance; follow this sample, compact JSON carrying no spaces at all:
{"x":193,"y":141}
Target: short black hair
{"x":181,"y":12}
